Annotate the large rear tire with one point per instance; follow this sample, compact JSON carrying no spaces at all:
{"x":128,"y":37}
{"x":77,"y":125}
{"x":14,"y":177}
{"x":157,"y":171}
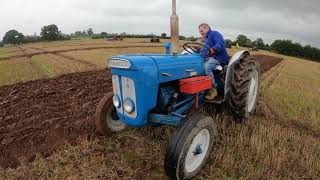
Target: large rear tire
{"x":107,"y":120}
{"x":189,"y":147}
{"x":244,"y":89}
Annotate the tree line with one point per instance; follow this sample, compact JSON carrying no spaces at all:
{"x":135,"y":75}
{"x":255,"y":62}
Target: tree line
{"x":285,"y":47}
{"x":52,"y":33}
{"x":48,"y":33}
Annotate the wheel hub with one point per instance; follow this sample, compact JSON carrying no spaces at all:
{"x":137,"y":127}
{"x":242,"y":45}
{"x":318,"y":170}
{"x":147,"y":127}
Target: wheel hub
{"x":197,"y":150}
{"x":114,"y":115}
{"x":113,"y":120}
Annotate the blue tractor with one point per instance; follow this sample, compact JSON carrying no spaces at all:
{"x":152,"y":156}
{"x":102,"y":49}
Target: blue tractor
{"x":167,"y":89}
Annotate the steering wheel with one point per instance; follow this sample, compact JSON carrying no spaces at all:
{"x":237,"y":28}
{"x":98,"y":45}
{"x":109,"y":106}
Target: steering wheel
{"x":192,"y":46}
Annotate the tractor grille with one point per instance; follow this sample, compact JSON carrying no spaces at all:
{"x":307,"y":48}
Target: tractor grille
{"x":125,"y":88}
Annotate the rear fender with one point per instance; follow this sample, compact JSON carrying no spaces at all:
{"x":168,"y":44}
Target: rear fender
{"x":229,"y":76}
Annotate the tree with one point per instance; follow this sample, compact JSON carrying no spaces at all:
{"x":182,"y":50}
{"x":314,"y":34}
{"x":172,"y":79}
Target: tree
{"x":13,"y":37}
{"x":51,"y":33}
{"x":282,"y":46}
{"x":182,"y":37}
{"x":104,"y":34}
{"x":259,"y":43}
{"x":163,"y":35}
{"x":192,"y":38}
{"x":308,"y":51}
{"x":1,"y":44}
{"x":78,"y":34}
{"x":244,"y":41}
{"x":90,"y":32}
{"x":267,"y":47}
{"x":84,"y":33}
{"x":287,"y":47}
{"x":31,"y":39}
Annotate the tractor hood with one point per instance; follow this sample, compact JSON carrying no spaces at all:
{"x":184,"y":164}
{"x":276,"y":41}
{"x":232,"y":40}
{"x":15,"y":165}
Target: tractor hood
{"x":168,"y":67}
{"x":176,"y":67}
{"x":130,"y":62}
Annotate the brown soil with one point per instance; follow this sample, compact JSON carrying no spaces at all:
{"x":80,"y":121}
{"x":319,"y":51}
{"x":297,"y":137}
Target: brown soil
{"x":41,"y":116}
{"x":267,"y":62}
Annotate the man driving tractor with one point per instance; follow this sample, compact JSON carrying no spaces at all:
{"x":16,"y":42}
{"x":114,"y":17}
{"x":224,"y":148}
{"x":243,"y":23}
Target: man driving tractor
{"x":217,"y":55}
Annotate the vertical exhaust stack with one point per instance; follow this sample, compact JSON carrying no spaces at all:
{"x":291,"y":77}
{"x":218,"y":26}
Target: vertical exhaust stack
{"x":174,"y":21}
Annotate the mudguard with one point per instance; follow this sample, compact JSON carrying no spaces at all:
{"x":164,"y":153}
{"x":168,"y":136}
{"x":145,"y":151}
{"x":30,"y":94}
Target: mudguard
{"x":229,"y":76}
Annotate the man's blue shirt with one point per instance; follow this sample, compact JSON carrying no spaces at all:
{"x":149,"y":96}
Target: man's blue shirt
{"x":216,"y":41}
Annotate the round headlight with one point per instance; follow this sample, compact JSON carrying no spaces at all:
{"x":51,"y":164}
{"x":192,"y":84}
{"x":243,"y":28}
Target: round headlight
{"x":116,"y":101}
{"x":128,"y":105}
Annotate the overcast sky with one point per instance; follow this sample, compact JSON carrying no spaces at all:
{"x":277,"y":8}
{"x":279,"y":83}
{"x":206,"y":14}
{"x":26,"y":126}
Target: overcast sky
{"x":270,"y":19}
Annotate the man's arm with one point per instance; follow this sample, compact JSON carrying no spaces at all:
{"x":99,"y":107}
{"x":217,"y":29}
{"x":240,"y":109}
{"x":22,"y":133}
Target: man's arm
{"x":218,"y":43}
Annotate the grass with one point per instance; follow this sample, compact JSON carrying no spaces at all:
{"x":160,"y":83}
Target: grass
{"x":100,"y":159}
{"x":295,"y":92}
{"x":262,"y":149}
{"x":42,"y":66}
{"x":99,"y":56}
{"x":18,"y":70}
{"x":54,"y":65}
{"x":7,"y":54}
{"x":281,"y":142}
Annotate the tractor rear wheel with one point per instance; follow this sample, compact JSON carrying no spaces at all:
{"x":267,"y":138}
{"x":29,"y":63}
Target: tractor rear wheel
{"x":189,"y":147}
{"x":244,"y":89}
{"x":107,"y":120}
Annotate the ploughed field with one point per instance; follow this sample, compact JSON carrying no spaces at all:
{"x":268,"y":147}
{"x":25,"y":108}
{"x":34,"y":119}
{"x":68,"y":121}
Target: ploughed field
{"x":40,"y":116}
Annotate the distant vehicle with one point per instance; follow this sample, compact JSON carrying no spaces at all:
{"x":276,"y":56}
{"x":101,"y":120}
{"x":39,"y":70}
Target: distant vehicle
{"x":254,"y":48}
{"x":155,"y":39}
{"x":115,"y":38}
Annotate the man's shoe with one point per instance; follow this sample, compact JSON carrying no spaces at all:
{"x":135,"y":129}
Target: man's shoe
{"x":212,"y":94}
{"x":217,"y":100}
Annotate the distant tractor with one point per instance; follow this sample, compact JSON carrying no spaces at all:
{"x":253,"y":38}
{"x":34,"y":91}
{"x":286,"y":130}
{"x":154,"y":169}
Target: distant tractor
{"x":254,"y":48}
{"x":115,"y":38}
{"x":155,"y":39}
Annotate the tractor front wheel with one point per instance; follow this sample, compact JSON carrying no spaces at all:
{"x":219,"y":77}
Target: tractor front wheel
{"x":189,"y":147}
{"x":107,"y":120}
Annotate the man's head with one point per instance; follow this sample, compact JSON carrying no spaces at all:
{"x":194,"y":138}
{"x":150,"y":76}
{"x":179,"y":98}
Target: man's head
{"x":203,"y":29}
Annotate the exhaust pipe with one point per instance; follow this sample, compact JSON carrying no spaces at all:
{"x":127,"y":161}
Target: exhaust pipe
{"x":174,"y":21}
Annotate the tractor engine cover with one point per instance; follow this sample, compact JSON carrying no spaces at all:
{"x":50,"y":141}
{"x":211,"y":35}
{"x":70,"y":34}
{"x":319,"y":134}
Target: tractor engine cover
{"x":172,"y":68}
